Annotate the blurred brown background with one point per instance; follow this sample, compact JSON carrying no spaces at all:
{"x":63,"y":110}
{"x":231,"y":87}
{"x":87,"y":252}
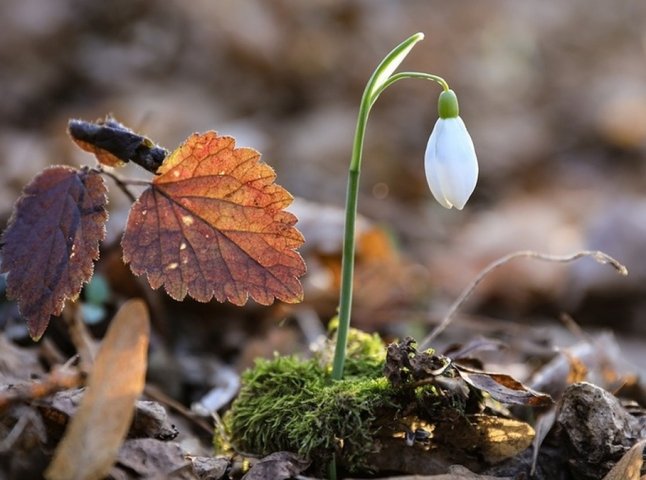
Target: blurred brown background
{"x":553,"y":93}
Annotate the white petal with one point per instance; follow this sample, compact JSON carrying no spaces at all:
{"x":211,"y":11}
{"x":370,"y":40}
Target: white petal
{"x":451,"y":163}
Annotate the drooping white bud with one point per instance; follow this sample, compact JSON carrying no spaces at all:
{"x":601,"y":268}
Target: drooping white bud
{"x":450,"y":160}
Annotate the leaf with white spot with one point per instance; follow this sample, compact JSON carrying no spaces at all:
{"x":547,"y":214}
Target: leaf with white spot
{"x":212,"y":225}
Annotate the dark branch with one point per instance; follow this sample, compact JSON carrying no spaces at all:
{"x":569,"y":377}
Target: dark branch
{"x":111,"y":138}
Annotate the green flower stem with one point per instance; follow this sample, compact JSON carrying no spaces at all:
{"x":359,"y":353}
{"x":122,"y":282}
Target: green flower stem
{"x":331,"y":470}
{"x":399,"y":76}
{"x":381,"y":78}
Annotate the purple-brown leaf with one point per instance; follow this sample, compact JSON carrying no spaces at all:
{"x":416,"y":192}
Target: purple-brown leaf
{"x":52,"y":240}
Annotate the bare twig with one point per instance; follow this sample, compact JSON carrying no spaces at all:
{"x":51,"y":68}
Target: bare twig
{"x":159,"y":396}
{"x":25,"y":416}
{"x":574,"y":328}
{"x":60,"y":378}
{"x":122,"y":183}
{"x":85,"y":346}
{"x":596,"y":255}
{"x":220,"y":428}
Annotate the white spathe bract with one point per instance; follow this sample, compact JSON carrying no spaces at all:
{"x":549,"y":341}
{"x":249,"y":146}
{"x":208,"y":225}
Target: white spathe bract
{"x":450,"y":162}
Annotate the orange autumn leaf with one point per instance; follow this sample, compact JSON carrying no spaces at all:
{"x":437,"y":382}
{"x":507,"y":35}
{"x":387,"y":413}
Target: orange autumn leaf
{"x":212,"y":224}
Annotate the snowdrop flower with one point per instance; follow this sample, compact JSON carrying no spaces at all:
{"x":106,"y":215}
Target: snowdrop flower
{"x":450,"y":159}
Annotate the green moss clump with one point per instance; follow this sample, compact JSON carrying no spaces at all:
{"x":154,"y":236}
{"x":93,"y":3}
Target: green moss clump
{"x":365,"y":355}
{"x":292,"y":404}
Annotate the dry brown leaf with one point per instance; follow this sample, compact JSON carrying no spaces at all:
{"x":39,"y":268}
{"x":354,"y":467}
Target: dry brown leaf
{"x":277,"y":466}
{"x":502,"y":438}
{"x":92,"y":440}
{"x":150,"y":419}
{"x":629,"y":467}
{"x":151,"y":458}
{"x":504,"y":388}
{"x":211,"y":468}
